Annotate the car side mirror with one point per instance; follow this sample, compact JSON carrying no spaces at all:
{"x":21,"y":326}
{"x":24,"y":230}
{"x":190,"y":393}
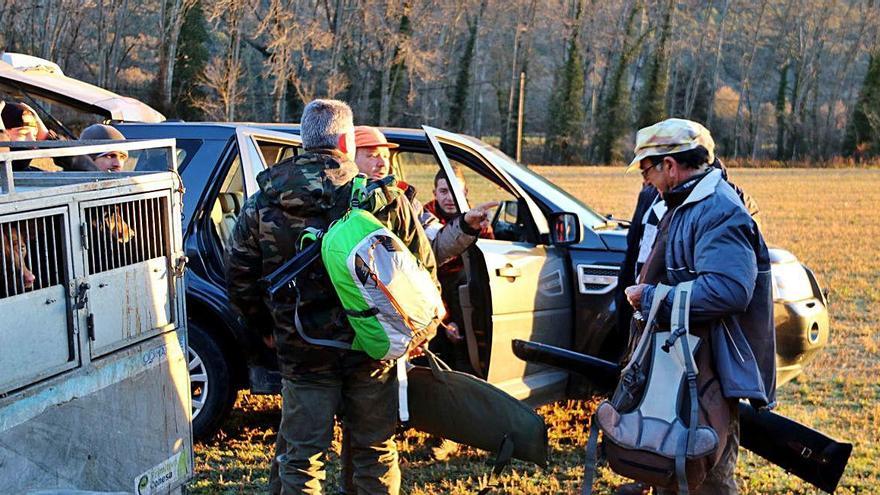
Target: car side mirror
{"x":565,"y":228}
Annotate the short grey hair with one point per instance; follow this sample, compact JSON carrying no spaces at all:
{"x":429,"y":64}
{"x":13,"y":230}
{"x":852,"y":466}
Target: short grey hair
{"x":323,"y":121}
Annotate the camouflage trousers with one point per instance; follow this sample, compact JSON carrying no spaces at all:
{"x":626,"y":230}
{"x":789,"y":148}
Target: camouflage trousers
{"x":366,"y":400}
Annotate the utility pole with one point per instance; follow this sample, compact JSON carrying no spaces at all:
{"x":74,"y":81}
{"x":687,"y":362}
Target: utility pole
{"x":519,"y":117}
{"x":506,"y":135}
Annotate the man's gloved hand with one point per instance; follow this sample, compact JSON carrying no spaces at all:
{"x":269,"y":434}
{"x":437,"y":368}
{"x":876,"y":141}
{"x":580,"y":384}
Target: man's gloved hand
{"x":477,"y":217}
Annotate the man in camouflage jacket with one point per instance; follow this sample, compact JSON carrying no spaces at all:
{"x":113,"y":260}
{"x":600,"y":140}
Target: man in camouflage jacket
{"x":311,"y":190}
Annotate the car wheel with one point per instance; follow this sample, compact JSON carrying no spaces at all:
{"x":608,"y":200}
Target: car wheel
{"x":210,"y":382}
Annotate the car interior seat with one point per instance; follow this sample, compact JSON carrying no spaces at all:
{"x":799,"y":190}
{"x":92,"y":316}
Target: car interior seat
{"x":224,"y":214}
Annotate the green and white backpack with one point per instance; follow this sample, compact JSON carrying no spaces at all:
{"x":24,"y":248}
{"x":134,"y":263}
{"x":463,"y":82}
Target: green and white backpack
{"x":390,"y":299}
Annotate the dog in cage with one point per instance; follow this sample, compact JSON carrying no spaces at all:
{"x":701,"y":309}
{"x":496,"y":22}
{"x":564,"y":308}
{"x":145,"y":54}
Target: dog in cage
{"x":115,"y":226}
{"x":110,"y":224}
{"x":112,"y":237}
{"x":17,"y":275}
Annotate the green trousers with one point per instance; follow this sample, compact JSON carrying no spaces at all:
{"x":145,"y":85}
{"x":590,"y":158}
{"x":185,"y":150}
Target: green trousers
{"x":366,"y":400}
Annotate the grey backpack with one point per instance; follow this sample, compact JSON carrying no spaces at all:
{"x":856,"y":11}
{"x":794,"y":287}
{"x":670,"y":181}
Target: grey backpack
{"x":663,"y":426}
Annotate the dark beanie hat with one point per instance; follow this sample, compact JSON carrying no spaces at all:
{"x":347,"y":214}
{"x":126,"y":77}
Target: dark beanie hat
{"x":11,"y":115}
{"x":101,"y":131}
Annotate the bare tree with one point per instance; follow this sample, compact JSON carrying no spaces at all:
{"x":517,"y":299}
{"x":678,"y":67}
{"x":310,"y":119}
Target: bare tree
{"x":783,"y":71}
{"x":223,"y":76}
{"x":171,"y":16}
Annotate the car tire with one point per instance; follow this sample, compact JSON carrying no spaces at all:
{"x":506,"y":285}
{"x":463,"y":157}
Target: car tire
{"x":212,"y":392}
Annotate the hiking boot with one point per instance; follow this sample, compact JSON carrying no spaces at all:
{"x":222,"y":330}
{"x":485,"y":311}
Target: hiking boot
{"x":443,"y":448}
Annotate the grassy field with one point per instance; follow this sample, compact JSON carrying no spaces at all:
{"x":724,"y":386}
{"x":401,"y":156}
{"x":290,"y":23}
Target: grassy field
{"x":828,"y":218}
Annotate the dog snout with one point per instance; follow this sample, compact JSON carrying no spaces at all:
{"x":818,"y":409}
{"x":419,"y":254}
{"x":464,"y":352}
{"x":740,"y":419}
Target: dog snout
{"x":28,"y":278}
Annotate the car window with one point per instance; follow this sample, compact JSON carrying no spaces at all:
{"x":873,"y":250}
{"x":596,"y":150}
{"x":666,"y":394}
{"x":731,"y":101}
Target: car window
{"x":563,"y":199}
{"x":229,"y":200}
{"x":420,"y":170}
{"x":275,"y":152}
{"x":417,"y":169}
{"x":156,"y":159}
{"x":255,"y":156}
{"x":186,"y":149}
{"x":508,"y":222}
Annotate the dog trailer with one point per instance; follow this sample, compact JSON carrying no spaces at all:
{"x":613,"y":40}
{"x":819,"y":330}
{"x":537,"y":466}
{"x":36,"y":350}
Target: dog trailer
{"x":94,"y":385}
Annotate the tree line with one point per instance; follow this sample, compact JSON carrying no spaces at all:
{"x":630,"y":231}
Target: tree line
{"x":787,"y":80}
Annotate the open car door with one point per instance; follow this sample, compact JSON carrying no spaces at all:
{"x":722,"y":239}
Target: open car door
{"x":518,"y":285}
{"x":257,"y":149}
{"x":260,"y":149}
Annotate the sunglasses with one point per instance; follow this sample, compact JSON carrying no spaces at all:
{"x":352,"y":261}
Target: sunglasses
{"x":646,"y":170}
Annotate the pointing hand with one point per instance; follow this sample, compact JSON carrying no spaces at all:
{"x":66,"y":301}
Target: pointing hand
{"x":478,"y":216}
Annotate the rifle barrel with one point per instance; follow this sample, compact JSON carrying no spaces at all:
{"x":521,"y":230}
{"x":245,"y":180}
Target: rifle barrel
{"x":281,"y":278}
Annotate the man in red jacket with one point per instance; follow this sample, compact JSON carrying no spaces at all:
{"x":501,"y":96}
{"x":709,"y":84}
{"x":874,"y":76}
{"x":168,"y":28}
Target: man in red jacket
{"x":451,"y":273}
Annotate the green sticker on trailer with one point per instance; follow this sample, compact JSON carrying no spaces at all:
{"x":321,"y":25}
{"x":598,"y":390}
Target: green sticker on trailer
{"x":164,"y":476}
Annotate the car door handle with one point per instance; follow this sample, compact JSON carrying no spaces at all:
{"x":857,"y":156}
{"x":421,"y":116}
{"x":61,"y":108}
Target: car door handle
{"x":508,"y":271}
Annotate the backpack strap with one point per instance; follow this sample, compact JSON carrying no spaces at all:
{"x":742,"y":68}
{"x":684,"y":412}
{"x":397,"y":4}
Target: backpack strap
{"x":680,"y":326}
{"x":358,"y":191}
{"x":501,"y":461}
{"x":591,"y":459}
{"x":660,"y":293}
{"x":402,"y":383}
{"x":320,"y":342}
{"x":308,"y":236}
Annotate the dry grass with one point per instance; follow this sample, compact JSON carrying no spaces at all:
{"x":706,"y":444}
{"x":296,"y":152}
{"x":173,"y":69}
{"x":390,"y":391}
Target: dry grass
{"x":828,"y":218}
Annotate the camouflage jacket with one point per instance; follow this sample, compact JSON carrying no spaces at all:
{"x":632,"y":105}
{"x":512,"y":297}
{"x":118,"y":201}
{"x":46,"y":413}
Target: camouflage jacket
{"x":310,"y":190}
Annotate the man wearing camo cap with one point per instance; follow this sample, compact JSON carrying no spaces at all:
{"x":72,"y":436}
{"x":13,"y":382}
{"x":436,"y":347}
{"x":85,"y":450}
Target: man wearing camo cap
{"x":707,"y":236}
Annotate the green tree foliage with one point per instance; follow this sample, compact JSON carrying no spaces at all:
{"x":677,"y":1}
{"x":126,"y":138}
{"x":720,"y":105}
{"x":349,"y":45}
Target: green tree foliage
{"x":652,"y":103}
{"x":614,"y":118}
{"x":192,"y":57}
{"x":460,"y":92}
{"x":397,"y":102}
{"x":863,"y":132}
{"x":781,"y":112}
{"x":387,"y":102}
{"x":566,"y":116}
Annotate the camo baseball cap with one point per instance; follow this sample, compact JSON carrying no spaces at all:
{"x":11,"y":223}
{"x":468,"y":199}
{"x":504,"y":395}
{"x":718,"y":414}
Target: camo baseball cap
{"x":671,"y":136}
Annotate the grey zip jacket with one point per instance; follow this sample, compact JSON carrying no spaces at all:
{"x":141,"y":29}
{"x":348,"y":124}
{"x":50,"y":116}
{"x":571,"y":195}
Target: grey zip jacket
{"x":715,"y":242}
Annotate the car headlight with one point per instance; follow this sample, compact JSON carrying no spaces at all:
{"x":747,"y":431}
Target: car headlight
{"x":790,"y":281}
